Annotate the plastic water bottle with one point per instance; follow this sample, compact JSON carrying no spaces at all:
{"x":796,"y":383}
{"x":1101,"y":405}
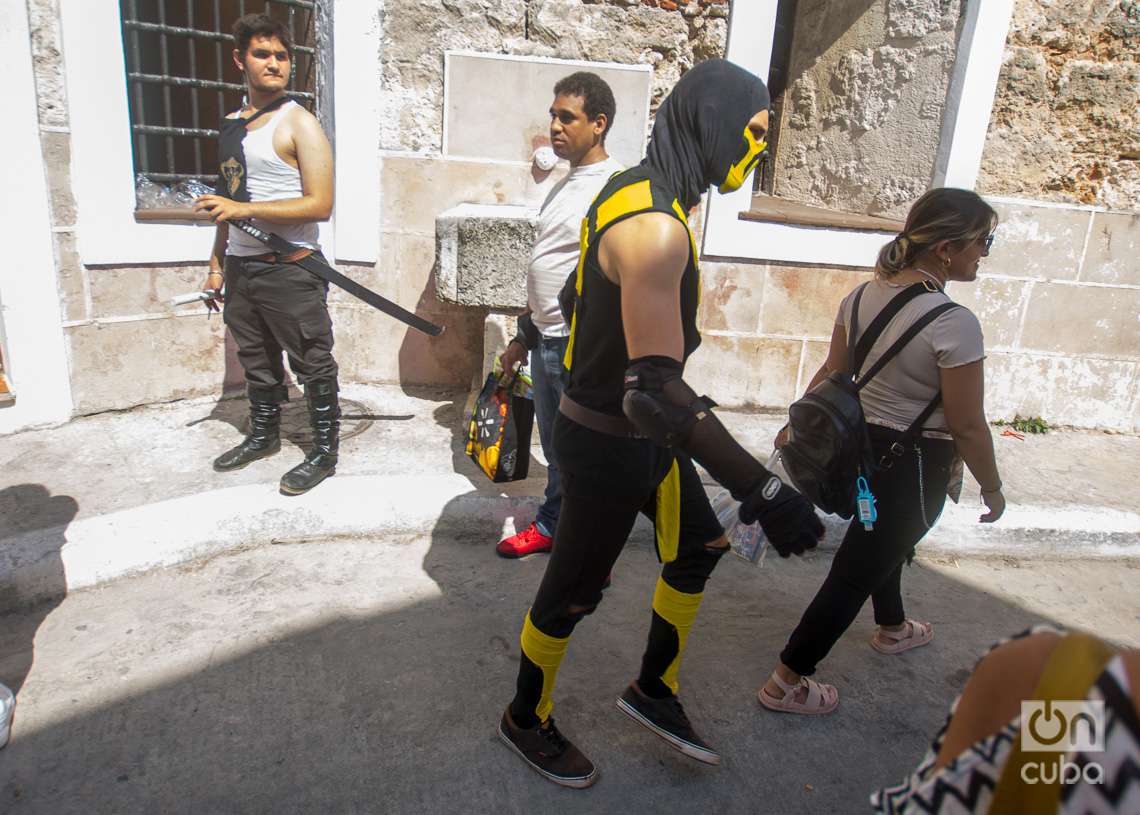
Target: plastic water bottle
{"x":747,"y":541}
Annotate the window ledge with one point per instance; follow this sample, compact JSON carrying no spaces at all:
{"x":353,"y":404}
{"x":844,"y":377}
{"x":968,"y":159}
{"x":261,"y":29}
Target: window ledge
{"x":778,"y":210}
{"x":180,"y":215}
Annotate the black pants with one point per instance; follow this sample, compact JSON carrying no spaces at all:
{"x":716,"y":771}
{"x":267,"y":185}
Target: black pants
{"x":599,"y":507}
{"x":869,"y":564}
{"x":278,"y":307}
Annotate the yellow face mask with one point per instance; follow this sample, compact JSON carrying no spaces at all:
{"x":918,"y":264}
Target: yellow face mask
{"x":739,"y":171}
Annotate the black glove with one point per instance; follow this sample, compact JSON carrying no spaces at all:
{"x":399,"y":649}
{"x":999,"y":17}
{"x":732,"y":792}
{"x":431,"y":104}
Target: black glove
{"x":787,"y":518}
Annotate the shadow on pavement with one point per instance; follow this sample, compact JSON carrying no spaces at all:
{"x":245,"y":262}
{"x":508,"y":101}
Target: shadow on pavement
{"x":393,"y":710}
{"x":31,"y":510}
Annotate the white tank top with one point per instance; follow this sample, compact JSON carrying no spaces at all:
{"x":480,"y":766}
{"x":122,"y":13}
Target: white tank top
{"x":270,"y":178}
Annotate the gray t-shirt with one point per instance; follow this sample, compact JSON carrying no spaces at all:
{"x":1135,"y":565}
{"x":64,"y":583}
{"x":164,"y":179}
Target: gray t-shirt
{"x":902,"y":389}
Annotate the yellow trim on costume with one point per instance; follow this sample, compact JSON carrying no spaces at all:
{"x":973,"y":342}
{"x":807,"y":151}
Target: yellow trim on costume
{"x":679,"y":609}
{"x":583,"y":246}
{"x":677,"y":208}
{"x":740,"y":170}
{"x":634,"y":198}
{"x":546,"y":652}
{"x":667,"y":518}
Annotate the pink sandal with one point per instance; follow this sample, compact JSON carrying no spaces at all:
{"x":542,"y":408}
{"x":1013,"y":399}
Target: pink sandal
{"x":912,"y":635}
{"x":820,"y":698}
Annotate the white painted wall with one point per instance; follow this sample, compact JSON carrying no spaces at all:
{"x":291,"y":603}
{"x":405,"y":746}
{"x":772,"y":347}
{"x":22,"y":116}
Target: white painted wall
{"x":36,"y":361}
{"x":967,"y":114}
{"x":103,"y":171}
{"x":356,"y":97}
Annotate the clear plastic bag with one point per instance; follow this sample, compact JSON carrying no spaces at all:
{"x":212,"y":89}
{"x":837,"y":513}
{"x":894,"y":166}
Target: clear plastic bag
{"x":747,"y":541}
{"x":185,"y":193}
{"x":149,"y":194}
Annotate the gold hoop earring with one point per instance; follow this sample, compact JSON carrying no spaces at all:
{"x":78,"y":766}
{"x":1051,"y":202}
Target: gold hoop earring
{"x":945,"y":261}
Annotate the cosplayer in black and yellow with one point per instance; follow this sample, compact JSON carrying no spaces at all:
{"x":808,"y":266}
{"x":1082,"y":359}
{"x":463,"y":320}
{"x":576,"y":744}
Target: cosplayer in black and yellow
{"x":629,"y":430}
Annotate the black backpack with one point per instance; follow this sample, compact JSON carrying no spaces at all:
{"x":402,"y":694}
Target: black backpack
{"x":828,"y":447}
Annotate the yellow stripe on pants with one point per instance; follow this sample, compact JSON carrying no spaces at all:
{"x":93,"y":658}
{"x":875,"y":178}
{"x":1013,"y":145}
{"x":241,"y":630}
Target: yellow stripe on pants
{"x":546,"y":652}
{"x":679,"y":610}
{"x":667,"y":516}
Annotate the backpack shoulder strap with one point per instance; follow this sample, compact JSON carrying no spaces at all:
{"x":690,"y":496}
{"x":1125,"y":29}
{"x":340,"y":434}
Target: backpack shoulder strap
{"x":915,"y":428}
{"x":908,"y":335}
{"x":882,"y":319}
{"x":853,"y":329}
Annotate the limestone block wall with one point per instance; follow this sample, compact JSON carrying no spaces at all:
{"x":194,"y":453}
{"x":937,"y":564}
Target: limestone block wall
{"x":1064,"y":125}
{"x":1058,"y":300}
{"x":863,"y":108}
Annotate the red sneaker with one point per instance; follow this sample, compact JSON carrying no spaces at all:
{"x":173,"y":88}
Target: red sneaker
{"x":528,"y":542}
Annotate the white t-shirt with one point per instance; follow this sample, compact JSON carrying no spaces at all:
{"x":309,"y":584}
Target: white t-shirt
{"x":556,"y":246}
{"x":905,"y":386}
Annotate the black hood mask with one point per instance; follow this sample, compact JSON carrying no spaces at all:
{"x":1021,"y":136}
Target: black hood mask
{"x":700,"y":138}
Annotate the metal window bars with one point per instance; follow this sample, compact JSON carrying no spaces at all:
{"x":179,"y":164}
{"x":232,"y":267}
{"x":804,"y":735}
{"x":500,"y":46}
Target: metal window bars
{"x":169,"y":44}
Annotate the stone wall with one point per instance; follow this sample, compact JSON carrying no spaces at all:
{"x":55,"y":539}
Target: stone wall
{"x":867,"y":85}
{"x":1058,"y":300}
{"x":1064,"y":125}
{"x":670,"y":36}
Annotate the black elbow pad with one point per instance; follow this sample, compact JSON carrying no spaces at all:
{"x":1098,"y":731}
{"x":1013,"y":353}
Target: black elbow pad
{"x":659,"y":403}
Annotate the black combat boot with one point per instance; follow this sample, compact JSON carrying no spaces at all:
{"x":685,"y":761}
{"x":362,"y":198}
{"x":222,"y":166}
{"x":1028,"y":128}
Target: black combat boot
{"x":324,"y":416}
{"x":264,"y":437}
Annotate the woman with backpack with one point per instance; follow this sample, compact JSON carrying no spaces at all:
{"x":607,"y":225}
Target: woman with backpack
{"x":947,"y":233}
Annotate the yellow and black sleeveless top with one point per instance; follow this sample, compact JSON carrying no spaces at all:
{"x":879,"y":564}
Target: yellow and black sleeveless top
{"x":596,"y":354}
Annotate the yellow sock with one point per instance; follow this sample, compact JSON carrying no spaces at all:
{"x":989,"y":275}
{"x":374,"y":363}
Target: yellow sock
{"x":679,"y":610}
{"x":546,"y":652}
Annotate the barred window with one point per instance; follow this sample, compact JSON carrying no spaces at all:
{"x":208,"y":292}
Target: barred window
{"x":181,"y":79}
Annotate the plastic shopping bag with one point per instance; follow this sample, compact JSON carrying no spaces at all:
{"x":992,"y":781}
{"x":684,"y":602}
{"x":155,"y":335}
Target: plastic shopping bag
{"x":498,"y":432}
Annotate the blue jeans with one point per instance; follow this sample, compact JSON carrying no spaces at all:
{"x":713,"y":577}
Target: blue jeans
{"x":549,"y":380}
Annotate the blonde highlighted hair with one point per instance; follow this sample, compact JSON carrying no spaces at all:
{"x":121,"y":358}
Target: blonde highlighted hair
{"x":942,"y":214}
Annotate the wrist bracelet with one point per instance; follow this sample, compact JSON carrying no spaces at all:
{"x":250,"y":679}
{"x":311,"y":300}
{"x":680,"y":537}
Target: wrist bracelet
{"x":995,"y":489}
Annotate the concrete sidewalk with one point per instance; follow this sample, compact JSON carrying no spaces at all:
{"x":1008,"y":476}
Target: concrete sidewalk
{"x":120,"y":493}
{"x":367,"y":676}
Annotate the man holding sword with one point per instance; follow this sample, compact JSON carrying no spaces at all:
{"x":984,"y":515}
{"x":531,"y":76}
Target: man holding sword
{"x":276,"y":171}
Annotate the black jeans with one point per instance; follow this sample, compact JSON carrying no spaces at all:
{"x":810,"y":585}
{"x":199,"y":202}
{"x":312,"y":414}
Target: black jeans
{"x":869,"y":564}
{"x":278,"y":307}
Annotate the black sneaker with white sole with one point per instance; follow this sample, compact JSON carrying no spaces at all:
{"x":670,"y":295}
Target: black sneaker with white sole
{"x":667,"y":719}
{"x":548,"y":752}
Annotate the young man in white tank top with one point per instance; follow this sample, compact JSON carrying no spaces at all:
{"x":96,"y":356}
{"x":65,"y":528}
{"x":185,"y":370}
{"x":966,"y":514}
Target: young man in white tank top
{"x":276,"y":170}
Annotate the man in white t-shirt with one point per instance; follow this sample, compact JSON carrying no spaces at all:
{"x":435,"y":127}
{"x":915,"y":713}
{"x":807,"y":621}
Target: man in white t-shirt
{"x":580,"y":116}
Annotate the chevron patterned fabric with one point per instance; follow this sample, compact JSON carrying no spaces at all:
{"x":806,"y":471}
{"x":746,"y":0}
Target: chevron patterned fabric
{"x":967,"y":783}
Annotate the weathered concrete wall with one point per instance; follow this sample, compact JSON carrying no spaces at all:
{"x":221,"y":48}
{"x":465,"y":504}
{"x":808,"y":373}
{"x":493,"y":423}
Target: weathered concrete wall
{"x":1064,"y":125}
{"x":866,"y":91}
{"x":670,"y":36}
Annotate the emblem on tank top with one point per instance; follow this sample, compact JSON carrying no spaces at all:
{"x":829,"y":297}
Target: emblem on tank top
{"x":232,"y":171}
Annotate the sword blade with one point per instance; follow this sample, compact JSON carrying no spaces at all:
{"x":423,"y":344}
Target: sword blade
{"x":327,"y":272}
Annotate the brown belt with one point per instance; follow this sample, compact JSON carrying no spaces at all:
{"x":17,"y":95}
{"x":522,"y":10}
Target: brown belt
{"x":596,"y":420}
{"x":274,"y":257}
